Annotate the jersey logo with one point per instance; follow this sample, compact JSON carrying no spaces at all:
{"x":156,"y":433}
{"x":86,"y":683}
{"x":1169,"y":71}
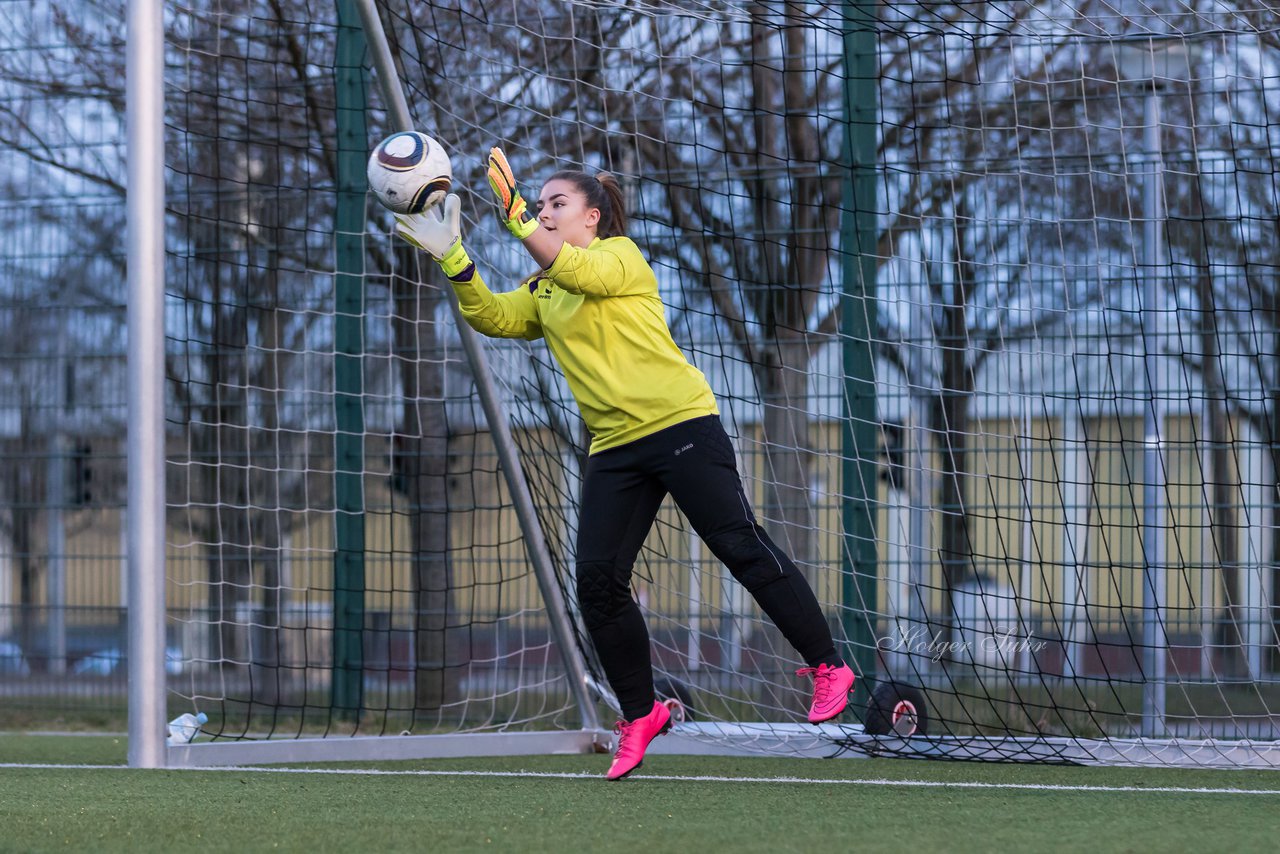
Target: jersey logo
{"x":535,"y":283}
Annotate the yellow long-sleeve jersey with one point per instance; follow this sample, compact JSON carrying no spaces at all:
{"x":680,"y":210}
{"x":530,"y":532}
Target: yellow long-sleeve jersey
{"x":599,"y":310}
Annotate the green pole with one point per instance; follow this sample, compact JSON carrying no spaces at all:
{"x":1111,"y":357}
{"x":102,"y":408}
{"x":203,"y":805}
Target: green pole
{"x":858,"y":234}
{"x":348,"y":556}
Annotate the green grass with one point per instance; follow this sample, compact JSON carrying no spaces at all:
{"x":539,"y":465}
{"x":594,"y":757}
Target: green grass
{"x":64,"y":714}
{"x":116,"y":809}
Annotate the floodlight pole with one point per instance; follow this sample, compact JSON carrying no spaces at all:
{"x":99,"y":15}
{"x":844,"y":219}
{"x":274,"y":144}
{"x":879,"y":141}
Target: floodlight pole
{"x":1152,"y":63}
{"x":1155,"y":642}
{"x":499,"y":425}
{"x":144,"y":100}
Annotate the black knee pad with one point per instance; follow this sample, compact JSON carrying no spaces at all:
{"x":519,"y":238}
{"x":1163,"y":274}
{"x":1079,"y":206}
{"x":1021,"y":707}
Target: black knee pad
{"x":604,"y":592}
{"x":750,"y":555}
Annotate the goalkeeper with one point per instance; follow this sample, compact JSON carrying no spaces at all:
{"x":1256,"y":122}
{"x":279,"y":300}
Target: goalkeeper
{"x":655,"y":429}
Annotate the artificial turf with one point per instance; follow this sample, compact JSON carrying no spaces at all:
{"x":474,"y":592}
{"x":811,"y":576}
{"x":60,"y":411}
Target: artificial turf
{"x":756,"y":804}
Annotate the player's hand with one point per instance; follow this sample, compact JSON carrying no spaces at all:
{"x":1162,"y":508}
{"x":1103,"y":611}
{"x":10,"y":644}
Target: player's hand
{"x":515,"y":211}
{"x":438,"y":232}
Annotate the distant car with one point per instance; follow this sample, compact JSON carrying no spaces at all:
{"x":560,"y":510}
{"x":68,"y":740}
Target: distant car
{"x":109,"y":661}
{"x":12,"y":661}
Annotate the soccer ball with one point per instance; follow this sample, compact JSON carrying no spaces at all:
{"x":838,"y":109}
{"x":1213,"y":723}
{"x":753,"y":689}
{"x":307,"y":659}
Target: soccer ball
{"x":409,"y":172}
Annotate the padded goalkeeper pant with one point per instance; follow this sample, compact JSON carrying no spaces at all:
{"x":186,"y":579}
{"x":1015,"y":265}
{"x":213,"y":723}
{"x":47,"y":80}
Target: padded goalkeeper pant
{"x":693,"y":462}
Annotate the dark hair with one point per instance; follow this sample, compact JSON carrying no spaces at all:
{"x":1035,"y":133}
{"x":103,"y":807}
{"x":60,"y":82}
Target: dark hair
{"x":602,"y":191}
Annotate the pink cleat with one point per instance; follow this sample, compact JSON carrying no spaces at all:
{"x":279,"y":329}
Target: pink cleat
{"x":634,"y":738}
{"x":831,"y":687}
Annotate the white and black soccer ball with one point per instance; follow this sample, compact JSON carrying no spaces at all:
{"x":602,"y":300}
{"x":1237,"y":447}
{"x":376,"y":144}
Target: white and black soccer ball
{"x":409,"y":172}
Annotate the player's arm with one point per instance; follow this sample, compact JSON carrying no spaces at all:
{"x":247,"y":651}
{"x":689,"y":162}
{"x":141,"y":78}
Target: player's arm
{"x":541,"y":244}
{"x":618,"y":270}
{"x":506,"y":315}
{"x":438,"y":232}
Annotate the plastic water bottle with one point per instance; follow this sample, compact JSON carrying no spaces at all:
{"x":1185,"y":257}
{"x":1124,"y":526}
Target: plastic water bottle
{"x":183,"y":728}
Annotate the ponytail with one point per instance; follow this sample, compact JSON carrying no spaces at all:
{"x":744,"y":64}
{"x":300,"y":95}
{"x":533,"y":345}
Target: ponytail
{"x":613,"y":221}
{"x":603,"y":192}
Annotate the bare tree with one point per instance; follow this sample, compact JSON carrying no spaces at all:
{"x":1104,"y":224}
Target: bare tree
{"x":61,"y":320}
{"x":243,"y":245}
{"x":1228,"y":229}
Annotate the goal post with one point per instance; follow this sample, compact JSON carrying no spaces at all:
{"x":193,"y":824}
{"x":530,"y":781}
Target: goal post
{"x":144,"y":73}
{"x":985,"y":301}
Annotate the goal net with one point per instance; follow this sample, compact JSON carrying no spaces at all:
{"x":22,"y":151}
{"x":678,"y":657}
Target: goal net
{"x":987,"y":295}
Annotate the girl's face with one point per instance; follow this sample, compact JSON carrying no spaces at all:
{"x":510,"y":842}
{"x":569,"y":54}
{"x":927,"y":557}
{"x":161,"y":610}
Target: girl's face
{"x":563,"y":211}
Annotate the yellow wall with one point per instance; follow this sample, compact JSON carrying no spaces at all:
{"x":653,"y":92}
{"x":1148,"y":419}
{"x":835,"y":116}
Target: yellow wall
{"x":490,"y":571}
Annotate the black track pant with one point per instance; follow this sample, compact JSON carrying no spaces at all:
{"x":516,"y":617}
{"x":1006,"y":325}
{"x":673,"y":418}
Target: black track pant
{"x":693,"y":462}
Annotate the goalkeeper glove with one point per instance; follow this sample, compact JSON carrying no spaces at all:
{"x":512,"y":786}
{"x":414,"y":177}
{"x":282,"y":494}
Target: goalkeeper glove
{"x":438,"y":232}
{"x":515,"y":211}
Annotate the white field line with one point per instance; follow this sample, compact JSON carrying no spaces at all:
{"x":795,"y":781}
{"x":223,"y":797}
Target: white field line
{"x":790,"y":781}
